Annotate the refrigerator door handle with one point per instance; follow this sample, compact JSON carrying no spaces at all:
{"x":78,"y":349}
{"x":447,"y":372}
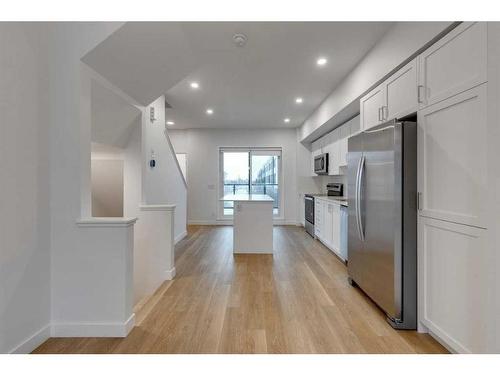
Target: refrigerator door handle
{"x":358,"y":199}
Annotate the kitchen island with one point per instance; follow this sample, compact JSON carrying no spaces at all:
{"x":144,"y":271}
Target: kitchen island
{"x":252,"y":223}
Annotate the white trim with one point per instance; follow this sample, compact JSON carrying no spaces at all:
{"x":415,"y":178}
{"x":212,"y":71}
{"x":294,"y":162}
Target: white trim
{"x":32,"y":342}
{"x":170,"y":274}
{"x":85,"y":329}
{"x":157,"y":207}
{"x":106,"y":222}
{"x":446,"y":340}
{"x":180,"y":237}
{"x":446,"y":345}
{"x":169,"y":142}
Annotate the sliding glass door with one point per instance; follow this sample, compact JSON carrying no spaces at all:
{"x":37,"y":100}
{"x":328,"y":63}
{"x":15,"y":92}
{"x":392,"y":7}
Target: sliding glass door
{"x":235,"y":177}
{"x":252,"y":170}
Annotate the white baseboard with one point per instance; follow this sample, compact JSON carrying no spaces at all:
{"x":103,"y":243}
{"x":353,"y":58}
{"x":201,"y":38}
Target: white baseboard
{"x":210,"y":222}
{"x":230,"y":222}
{"x":170,"y":274}
{"x":84,"y":329}
{"x":180,"y":237}
{"x":32,"y":342}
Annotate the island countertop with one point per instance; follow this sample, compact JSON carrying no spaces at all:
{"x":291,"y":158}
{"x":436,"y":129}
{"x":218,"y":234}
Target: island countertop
{"x":247,"y":198}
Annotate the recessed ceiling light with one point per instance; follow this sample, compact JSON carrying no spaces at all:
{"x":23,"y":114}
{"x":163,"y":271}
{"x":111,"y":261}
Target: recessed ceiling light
{"x":210,"y":111}
{"x":287,"y":120}
{"x":194,"y":85}
{"x":321,"y":61}
{"x":170,"y":123}
{"x":298,"y":100}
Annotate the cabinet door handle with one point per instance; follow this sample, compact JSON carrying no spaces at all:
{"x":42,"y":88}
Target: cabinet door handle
{"x":385,"y":112}
{"x":419,"y":201}
{"x":379,"y":112}
{"x":419,"y":96}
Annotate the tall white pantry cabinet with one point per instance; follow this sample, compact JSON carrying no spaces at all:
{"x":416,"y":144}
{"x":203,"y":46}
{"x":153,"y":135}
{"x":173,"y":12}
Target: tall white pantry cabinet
{"x":453,"y":190}
{"x":454,"y":85}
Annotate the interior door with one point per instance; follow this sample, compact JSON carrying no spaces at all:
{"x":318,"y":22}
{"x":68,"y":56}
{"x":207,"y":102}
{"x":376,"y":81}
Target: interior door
{"x":380,"y":179}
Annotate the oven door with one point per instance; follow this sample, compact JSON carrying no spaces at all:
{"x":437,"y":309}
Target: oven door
{"x":309,"y":209}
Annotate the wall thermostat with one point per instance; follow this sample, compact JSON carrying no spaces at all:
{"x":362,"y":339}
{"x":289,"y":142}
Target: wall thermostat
{"x":152,"y":161}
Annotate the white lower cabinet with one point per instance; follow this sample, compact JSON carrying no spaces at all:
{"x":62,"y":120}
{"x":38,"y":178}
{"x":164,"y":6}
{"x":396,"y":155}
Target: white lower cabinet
{"x":453,"y":287}
{"x":335,"y":242}
{"x":327,"y":224}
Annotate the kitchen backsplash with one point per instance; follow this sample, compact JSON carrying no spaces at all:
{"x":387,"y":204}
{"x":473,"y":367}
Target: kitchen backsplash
{"x":339,"y":179}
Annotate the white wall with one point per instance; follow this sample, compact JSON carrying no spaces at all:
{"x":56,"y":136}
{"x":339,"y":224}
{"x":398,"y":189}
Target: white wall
{"x":398,"y":44}
{"x":132,"y":171}
{"x":493,"y":167}
{"x":107,"y":187}
{"x":24,"y":185}
{"x":83,"y":259}
{"x":202,"y":149}
{"x":163,"y":184}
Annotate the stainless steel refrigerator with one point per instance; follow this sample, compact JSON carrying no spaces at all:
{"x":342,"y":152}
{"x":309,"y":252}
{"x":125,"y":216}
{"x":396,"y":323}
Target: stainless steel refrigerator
{"x":382,"y":225}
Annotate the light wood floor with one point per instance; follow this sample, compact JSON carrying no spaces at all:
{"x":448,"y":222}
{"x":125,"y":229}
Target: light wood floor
{"x":296,"y":301}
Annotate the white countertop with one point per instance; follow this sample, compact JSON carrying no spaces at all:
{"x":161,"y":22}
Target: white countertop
{"x":247,"y":198}
{"x":339,"y":200}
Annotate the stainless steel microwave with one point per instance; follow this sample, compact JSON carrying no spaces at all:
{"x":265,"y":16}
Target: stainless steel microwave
{"x":321,"y":164}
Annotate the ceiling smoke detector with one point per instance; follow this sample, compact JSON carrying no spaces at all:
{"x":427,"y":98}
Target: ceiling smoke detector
{"x":240,"y":39}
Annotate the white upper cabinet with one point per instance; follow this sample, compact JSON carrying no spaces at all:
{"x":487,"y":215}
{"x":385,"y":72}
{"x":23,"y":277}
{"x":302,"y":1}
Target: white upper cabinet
{"x":454,"y":64}
{"x":345,"y":133}
{"x":400,"y":92}
{"x":452,"y":158}
{"x":394,"y":98}
{"x":370,"y":107}
{"x":334,"y":152}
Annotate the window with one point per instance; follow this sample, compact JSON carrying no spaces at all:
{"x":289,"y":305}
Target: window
{"x":255,"y":171}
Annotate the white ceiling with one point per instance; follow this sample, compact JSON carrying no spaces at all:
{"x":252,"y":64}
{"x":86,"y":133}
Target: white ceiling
{"x":250,"y":87}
